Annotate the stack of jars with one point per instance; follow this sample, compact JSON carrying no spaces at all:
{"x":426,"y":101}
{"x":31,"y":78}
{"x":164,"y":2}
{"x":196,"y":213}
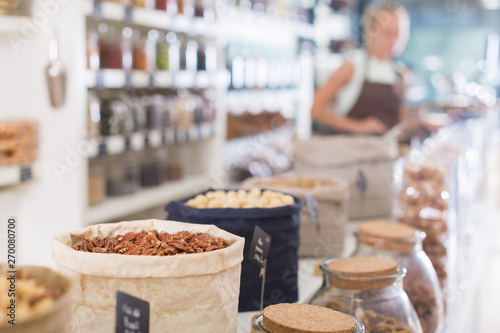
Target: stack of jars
{"x":188,"y":8}
{"x":423,"y":203}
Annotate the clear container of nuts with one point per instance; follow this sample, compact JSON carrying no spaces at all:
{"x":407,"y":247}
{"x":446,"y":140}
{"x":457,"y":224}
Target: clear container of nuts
{"x":370,"y":289}
{"x":305,"y":318}
{"x":404,"y":244}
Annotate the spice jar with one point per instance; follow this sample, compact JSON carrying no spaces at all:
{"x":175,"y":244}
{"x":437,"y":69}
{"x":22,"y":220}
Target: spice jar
{"x":139,"y":52}
{"x":97,"y":182}
{"x":174,"y":54}
{"x":123,"y":174}
{"x":370,"y":289}
{"x":403,"y":243}
{"x":110,"y":47}
{"x":162,"y":54}
{"x":152,"y":167}
{"x":305,"y":318}
{"x":191,"y":56}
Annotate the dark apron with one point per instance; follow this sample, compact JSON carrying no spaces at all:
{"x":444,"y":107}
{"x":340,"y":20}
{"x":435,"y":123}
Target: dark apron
{"x":379,"y":100}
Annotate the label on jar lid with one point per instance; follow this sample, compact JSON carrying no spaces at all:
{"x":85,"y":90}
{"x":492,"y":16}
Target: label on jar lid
{"x":132,"y":314}
{"x":259,"y":247}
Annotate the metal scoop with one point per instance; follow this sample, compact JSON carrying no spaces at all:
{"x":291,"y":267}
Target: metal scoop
{"x":56,"y":75}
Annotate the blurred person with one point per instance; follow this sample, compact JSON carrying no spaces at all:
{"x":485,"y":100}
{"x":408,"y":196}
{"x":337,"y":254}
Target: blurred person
{"x":368,"y":88}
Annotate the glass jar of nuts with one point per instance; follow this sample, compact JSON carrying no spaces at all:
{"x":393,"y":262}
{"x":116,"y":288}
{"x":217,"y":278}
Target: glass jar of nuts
{"x":403,"y":243}
{"x":371,"y":290}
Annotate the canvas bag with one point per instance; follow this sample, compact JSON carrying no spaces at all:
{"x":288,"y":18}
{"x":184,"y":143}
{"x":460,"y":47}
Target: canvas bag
{"x":281,"y":223}
{"x":365,"y":162}
{"x":332,"y":214}
{"x":186,"y":293}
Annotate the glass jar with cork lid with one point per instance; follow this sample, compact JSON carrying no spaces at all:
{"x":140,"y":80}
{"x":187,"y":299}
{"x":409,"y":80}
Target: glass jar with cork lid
{"x":304,"y":318}
{"x":371,"y":290}
{"x":403,"y":243}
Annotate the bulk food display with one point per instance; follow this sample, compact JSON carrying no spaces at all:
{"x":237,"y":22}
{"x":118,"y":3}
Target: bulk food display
{"x":370,"y":289}
{"x":403,"y":243}
{"x":274,"y":212}
{"x":42,"y":301}
{"x":331,"y":195}
{"x":305,"y":318}
{"x":18,"y":142}
{"x":422,"y":202}
{"x":365,"y":162}
{"x":179,"y":268}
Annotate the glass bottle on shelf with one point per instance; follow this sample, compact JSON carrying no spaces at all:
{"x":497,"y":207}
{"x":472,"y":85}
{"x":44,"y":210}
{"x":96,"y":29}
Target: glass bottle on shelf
{"x":154,"y":111}
{"x":162,"y":53}
{"x":123,"y":174}
{"x":403,"y":243}
{"x":161,"y":4}
{"x":127,"y":37}
{"x":202,"y":57}
{"x":96,"y":182}
{"x":211,"y":57}
{"x":152,"y":167}
{"x":191,"y":56}
{"x":93,"y":50}
{"x":186,"y":7}
{"x":208,"y":11}
{"x":174,"y":51}
{"x":262,"y":70}
{"x":151,"y":40}
{"x":110,"y":47}
{"x":139,"y":51}
{"x":250,"y":68}
{"x":371,"y":290}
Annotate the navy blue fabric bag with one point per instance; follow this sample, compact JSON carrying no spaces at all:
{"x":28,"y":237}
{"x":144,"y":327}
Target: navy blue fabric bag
{"x":281,"y":223}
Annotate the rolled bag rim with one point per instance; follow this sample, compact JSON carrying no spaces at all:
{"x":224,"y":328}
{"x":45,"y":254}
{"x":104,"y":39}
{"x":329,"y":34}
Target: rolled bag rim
{"x":233,"y":213}
{"x":146,"y":266}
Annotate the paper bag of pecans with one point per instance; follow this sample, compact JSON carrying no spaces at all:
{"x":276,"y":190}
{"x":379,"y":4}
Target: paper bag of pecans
{"x":48,"y":317}
{"x":195,"y":292}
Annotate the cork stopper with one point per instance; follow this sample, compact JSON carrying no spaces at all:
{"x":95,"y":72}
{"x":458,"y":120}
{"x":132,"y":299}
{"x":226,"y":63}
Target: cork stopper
{"x":362,"y":273}
{"x":388,"y":235}
{"x":305,"y":318}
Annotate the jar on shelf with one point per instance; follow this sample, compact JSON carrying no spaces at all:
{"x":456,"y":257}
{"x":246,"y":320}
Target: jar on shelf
{"x":422,"y":202}
{"x":127,"y":50}
{"x":110,"y":47}
{"x":162,"y":53}
{"x":210,"y":57}
{"x":113,"y":115}
{"x":185,"y":7}
{"x":93,"y":116}
{"x":153,"y":162}
{"x":174,"y":50}
{"x":403,"y":243}
{"x":154,"y":111}
{"x":186,"y":106}
{"x":96,"y":182}
{"x":191,"y":56}
{"x":371,"y":290}
{"x":175,"y":168}
{"x":93,"y":53}
{"x":123,"y":174}
{"x":288,"y":317}
{"x":140,"y":52}
{"x":140,"y":3}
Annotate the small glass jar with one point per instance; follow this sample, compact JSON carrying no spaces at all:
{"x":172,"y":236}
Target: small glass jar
{"x":258,"y":322}
{"x":191,"y":56}
{"x":403,"y":243}
{"x":175,"y":168}
{"x":123,"y":174}
{"x":139,"y":52}
{"x":110,"y":47}
{"x":162,"y":53}
{"x":93,"y":50}
{"x":97,"y":182}
{"x":93,"y":115}
{"x":152,"y":165}
{"x":370,"y":289}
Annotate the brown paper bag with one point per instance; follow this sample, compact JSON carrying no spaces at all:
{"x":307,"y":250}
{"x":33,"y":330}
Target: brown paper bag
{"x":186,"y":293}
{"x":58,"y":318}
{"x":332,"y":213}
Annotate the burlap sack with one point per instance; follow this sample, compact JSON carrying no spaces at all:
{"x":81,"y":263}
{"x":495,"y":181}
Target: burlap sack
{"x":365,"y":162}
{"x":58,"y":318}
{"x":332,"y":214}
{"x":186,"y":293}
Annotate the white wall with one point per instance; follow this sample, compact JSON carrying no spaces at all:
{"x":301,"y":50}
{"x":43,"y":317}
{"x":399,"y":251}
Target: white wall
{"x":46,"y":206}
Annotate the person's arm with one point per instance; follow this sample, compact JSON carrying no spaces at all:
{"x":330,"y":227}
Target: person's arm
{"x":324,"y":95}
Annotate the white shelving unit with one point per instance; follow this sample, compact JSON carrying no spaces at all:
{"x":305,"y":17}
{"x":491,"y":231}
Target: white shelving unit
{"x":15,"y":174}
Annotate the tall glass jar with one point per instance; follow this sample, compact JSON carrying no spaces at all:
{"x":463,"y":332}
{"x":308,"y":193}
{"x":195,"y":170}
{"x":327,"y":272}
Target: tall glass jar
{"x":162,"y":53}
{"x":403,"y":243}
{"x":370,"y":289}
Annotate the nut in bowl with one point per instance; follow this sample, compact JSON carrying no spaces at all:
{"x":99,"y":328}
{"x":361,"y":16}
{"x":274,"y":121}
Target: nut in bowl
{"x":42,"y":300}
{"x":254,"y":198}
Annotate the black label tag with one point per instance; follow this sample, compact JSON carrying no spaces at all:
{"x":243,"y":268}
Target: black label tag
{"x":25,"y":174}
{"x":259,"y":248}
{"x":312,"y":210}
{"x":132,"y":314}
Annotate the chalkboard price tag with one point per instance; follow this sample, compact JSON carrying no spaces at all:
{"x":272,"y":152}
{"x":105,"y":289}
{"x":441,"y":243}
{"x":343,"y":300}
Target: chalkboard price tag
{"x":132,"y":314}
{"x":312,"y":211}
{"x":259,"y":247}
